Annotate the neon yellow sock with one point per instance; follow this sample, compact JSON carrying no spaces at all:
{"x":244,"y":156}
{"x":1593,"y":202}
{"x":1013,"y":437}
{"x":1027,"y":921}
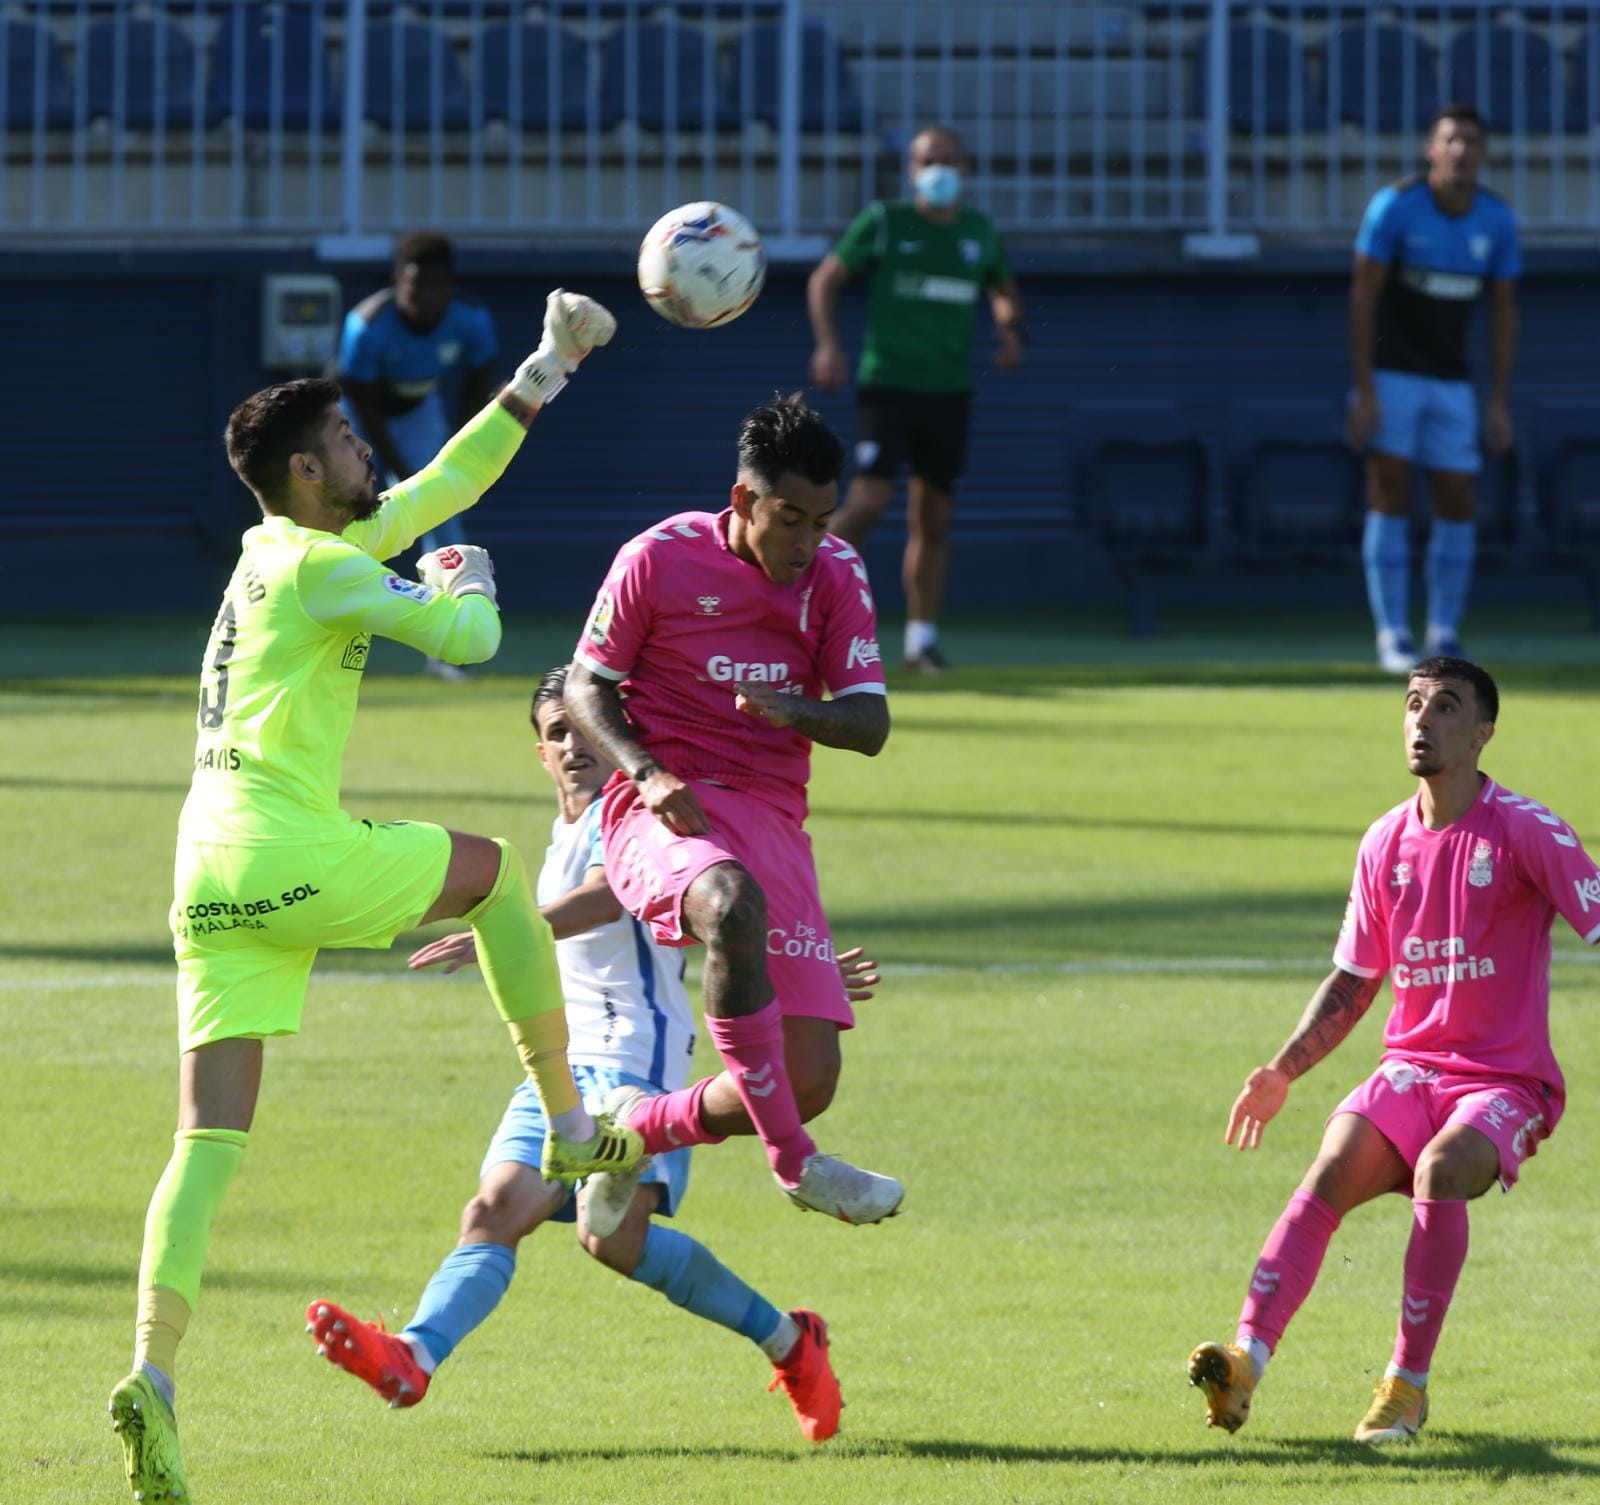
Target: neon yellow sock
{"x":177,"y":1229}
{"x":517,"y":955}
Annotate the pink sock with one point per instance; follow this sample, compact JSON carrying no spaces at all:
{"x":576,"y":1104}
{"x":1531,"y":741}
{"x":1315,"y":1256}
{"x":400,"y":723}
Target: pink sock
{"x":1434,"y":1258}
{"x":751,"y":1048}
{"x":1288,"y":1267}
{"x":671,"y":1120}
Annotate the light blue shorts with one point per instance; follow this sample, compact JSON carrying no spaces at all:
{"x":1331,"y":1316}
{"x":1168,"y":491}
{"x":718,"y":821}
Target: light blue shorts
{"x":1430,"y":422}
{"x":520,"y":1137}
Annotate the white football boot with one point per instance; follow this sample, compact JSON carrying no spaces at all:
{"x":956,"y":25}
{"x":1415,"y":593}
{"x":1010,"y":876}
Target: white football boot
{"x":844,"y":1191}
{"x":606,"y":1197}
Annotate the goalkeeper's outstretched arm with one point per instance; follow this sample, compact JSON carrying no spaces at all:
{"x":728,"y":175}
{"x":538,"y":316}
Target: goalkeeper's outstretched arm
{"x":476,"y":457}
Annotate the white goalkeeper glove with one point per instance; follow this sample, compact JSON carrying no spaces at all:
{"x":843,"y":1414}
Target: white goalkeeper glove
{"x":573,"y":326}
{"x":462,"y":569}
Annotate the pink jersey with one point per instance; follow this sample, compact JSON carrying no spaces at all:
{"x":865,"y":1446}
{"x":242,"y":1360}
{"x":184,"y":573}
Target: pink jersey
{"x":681,"y":620}
{"x":1460,"y":919}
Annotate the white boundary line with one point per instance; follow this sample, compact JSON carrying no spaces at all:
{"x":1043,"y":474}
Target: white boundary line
{"x":162,"y":976}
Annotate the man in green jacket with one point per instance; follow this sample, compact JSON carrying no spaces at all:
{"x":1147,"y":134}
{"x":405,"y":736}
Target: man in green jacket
{"x":926,"y":259}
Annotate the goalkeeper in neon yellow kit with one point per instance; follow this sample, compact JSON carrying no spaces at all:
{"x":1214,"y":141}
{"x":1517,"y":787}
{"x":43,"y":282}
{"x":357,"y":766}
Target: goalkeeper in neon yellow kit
{"x":269,"y":869}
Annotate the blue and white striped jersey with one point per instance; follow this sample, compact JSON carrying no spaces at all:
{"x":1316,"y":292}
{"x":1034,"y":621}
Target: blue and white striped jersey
{"x":627,"y":1007}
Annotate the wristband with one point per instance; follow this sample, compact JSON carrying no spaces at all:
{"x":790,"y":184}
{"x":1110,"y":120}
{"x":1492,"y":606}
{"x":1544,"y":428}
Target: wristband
{"x":644,"y":770}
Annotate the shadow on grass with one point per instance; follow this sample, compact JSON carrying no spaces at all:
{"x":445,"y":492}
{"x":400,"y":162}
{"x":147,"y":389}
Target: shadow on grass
{"x":987,"y":819}
{"x":25,"y":1272}
{"x":178,"y":788}
{"x":1482,"y":1454}
{"x":1116,"y":673}
{"x":1179,"y":925}
{"x":1026,"y":819}
{"x":1117,"y":664}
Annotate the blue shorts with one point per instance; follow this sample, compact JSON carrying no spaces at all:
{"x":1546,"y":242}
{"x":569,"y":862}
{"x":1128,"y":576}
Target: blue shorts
{"x":520,"y":1137}
{"x":1430,"y":422}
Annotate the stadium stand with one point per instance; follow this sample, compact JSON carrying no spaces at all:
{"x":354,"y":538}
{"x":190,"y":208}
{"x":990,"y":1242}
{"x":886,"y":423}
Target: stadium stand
{"x":1140,"y":472}
{"x":36,"y":80}
{"x":664,"y":75}
{"x":1375,"y":72}
{"x":1271,"y":87}
{"x":829,"y":99}
{"x":1088,"y":129}
{"x":413,"y":78}
{"x":144,"y":71}
{"x":516,"y":65}
{"x":1296,"y":488}
{"x":270,"y":63}
{"x":1508,"y":71}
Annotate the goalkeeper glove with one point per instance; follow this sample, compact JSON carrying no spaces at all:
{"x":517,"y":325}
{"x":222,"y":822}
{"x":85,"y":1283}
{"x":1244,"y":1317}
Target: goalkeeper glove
{"x":573,"y":326}
{"x":460,"y":570}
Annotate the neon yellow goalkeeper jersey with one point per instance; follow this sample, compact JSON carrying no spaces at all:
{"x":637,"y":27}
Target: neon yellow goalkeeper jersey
{"x":283,"y":667}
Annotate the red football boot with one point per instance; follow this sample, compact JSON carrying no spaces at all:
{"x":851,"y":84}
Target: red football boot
{"x":369,"y":1352}
{"x":808,"y":1379}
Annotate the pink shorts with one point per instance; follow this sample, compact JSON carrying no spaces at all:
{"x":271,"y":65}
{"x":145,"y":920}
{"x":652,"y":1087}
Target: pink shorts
{"x":1410,"y":1103}
{"x":650,"y":869}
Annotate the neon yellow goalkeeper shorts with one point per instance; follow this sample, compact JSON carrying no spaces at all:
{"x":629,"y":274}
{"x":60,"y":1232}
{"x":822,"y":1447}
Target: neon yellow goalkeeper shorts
{"x":248,"y":921}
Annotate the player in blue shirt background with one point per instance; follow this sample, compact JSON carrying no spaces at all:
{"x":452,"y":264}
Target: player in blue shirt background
{"x":394,"y":353}
{"x":1428,"y":247}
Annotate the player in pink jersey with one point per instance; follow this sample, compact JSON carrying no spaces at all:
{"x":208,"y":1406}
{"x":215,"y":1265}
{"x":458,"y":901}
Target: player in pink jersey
{"x":701,"y":674}
{"x":1454,"y":896}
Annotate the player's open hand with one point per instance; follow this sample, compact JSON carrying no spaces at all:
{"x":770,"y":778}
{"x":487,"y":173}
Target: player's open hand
{"x":1361,"y":422}
{"x":830,"y":367}
{"x":860,"y":974}
{"x":1265,"y":1090}
{"x":455,"y":951}
{"x":764,"y":703}
{"x":673,"y":803}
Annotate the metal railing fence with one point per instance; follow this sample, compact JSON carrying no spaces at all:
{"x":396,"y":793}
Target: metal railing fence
{"x":180,"y":119}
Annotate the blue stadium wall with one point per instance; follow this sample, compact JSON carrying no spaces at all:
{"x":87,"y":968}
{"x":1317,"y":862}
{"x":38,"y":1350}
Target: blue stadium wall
{"x":122,"y":370}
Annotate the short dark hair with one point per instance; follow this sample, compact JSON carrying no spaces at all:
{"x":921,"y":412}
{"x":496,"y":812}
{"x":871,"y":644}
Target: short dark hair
{"x":783,"y":437}
{"x":265,"y":430}
{"x":934,"y":128}
{"x":426,"y":249}
{"x":1460,"y":110}
{"x":552,"y":687}
{"x":1441,"y":666}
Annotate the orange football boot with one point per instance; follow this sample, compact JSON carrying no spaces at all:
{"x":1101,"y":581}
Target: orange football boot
{"x":368,"y":1351}
{"x":808,"y":1380}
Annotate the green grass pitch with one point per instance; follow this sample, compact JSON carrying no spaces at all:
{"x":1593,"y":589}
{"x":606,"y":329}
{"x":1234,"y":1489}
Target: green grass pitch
{"x":1102,"y":880}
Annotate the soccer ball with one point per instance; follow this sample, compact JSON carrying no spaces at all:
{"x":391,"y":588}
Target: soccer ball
{"x":701,"y":265}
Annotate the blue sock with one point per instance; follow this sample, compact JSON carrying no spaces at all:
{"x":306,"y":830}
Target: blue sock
{"x":689,"y":1275}
{"x":463,"y":1291}
{"x":1386,"y":556}
{"x":1452,"y":547}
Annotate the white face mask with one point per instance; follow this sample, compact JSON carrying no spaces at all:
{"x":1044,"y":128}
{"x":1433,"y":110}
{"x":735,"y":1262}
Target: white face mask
{"x":938,"y":185}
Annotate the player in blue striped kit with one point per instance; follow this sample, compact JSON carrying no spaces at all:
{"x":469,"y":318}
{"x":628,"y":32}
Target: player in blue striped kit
{"x":630,"y":1022}
{"x":1428,"y":248}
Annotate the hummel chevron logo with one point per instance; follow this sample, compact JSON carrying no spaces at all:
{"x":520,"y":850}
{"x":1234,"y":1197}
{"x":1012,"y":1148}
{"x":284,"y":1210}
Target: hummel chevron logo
{"x":1264,"y":1282}
{"x":1416,"y":1309}
{"x":760,"y":1083}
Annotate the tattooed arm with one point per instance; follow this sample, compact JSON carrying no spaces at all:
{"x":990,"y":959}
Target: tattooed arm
{"x":595,"y":705}
{"x":857,"y":723}
{"x":1335,"y":1009}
